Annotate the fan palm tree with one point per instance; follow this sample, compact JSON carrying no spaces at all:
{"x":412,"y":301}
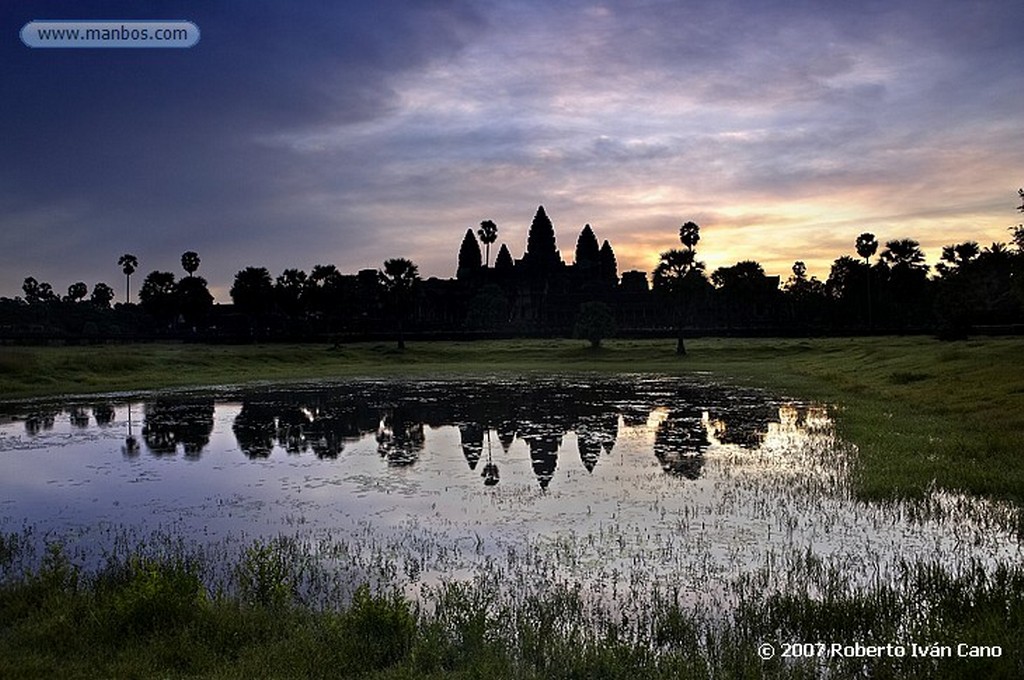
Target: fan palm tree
{"x":399,"y":277}
{"x":488,"y":234}
{"x":679,"y":276}
{"x":128,"y":264}
{"x":190,"y":262}
{"x":676,"y":272}
{"x":866,"y":246}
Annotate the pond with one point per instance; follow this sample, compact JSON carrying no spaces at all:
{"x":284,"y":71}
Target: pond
{"x":610,"y":483}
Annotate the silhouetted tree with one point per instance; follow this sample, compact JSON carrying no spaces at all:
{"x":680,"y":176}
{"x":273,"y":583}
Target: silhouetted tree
{"x":323,"y":293}
{"x":904,"y":254}
{"x":470,"y":259}
{"x":158,"y":296}
{"x":689,"y":235}
{"x":842,"y":277}
{"x":867,"y":246}
{"x":190,"y":261}
{"x":36,"y":292}
{"x":957,"y":256}
{"x":745,"y":293}
{"x":101,"y":296}
{"x":594,"y":322}
{"x":488,"y":233}
{"x":194,"y":300}
{"x":76,"y":292}
{"x":807,"y":295}
{"x":680,"y":276}
{"x":976,"y":287}
{"x":128,"y":264}
{"x":252,"y":292}
{"x":906,"y":281}
{"x":289,"y":291}
{"x":398,"y":278}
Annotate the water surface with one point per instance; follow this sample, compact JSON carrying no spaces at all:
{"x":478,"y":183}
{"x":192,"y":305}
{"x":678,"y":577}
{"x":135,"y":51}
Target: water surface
{"x":611,"y":482}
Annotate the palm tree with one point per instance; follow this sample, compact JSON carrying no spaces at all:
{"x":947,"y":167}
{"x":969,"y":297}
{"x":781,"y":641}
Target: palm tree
{"x":190,"y":262}
{"x":77,"y":292}
{"x":128,"y":264}
{"x":679,"y":276}
{"x":866,"y":246}
{"x":675,"y":275}
{"x":488,"y":233}
{"x":399,"y":277}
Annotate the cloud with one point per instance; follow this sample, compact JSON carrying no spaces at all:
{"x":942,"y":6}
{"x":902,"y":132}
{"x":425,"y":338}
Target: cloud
{"x":293,"y":135}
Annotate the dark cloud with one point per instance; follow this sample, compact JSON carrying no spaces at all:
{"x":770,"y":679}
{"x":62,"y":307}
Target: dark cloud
{"x":297,"y":133}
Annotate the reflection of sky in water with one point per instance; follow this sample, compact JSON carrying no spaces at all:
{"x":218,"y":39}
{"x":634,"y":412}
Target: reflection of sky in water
{"x":654,"y":474}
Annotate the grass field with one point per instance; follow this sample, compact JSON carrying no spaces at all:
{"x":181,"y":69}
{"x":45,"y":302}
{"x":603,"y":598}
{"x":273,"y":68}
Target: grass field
{"x":150,"y":613}
{"x":923,"y":413}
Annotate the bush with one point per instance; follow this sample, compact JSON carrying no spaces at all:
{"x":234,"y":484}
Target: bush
{"x":594,"y":322}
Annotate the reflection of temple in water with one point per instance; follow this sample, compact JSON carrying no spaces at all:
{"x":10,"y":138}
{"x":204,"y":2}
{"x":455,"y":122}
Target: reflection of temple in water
{"x":685,"y":420}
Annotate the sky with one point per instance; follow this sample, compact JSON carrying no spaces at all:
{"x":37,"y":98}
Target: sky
{"x":346,"y":133}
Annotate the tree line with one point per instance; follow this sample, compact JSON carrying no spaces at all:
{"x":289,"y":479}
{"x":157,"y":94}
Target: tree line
{"x":875,"y":288}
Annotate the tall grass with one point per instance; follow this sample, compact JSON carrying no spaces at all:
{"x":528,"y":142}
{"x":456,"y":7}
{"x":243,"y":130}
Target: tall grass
{"x":153,"y":611}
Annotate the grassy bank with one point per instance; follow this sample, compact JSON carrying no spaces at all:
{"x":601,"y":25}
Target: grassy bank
{"x":924,"y":413}
{"x":152,"y":613}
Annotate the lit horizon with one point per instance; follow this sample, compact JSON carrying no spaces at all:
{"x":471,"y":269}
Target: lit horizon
{"x":349,"y":135}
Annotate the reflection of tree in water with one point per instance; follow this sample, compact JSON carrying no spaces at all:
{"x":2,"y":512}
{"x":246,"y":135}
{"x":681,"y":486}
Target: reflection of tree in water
{"x":321,"y":424}
{"x":400,"y":439}
{"x":329,"y":431}
{"x":130,"y":449}
{"x":78,"y":416}
{"x":171,"y":422}
{"x":680,"y":442}
{"x":490,"y":471}
{"x":293,"y":424}
{"x":103,"y":414}
{"x":325,"y":420}
{"x":255,"y":428}
{"x":39,"y":421}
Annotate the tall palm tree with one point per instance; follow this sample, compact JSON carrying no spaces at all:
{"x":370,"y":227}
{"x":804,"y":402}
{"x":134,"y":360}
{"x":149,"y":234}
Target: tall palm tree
{"x":399,"y":277}
{"x":128,"y":264}
{"x":190,"y":262}
{"x":866,"y":246}
{"x":680,"y":275}
{"x":488,"y":233}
